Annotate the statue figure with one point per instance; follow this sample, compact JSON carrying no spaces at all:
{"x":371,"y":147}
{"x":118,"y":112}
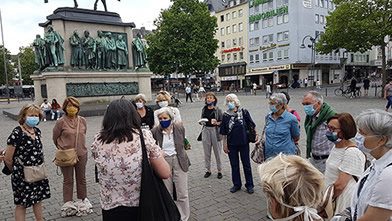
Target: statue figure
{"x":39,"y":51}
{"x":95,"y":4}
{"x":54,"y":47}
{"x":77,"y":50}
{"x":110,"y":51}
{"x":139,"y":52}
{"x":89,"y":50}
{"x":100,"y":53}
{"x":122,"y":53}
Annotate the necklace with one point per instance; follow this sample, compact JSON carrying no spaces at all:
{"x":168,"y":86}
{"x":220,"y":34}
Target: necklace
{"x":31,"y":133}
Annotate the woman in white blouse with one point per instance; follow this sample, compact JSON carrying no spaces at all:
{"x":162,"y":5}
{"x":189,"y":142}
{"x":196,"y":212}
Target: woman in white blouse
{"x":346,"y":162}
{"x":372,"y":198}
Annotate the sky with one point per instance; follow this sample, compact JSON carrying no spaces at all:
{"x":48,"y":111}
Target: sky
{"x":21,"y":17}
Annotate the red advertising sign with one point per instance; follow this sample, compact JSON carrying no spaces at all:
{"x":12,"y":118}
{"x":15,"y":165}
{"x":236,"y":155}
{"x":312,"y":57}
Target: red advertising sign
{"x":231,"y":50}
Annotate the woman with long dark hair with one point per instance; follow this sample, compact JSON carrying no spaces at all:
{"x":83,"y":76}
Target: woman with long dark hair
{"x":117,"y":152}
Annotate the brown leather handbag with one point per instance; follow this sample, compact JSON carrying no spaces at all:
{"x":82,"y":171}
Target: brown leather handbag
{"x":33,"y":174}
{"x":66,"y":158}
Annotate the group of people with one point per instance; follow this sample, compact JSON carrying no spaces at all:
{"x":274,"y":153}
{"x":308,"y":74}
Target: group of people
{"x":336,"y":146}
{"x":51,"y":110}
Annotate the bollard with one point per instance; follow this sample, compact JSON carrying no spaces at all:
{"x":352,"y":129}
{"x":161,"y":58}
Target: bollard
{"x":375,"y":93}
{"x":326,"y":92}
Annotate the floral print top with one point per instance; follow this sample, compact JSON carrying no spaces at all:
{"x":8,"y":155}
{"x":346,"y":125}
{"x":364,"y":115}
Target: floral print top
{"x":120,"y":169}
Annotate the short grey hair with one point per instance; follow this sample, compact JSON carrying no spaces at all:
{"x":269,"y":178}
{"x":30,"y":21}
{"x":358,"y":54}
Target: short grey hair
{"x":234,"y":98}
{"x":142,"y":97}
{"x":316,"y":96}
{"x":165,"y":110}
{"x":377,"y":122}
{"x":279,"y":98}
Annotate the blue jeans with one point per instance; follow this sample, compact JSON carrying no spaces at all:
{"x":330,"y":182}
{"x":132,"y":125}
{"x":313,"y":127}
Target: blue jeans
{"x":389,"y":99}
{"x":243,"y":150}
{"x":47,"y":112}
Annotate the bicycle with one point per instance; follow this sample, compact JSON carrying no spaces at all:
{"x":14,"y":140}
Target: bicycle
{"x":357,"y":93}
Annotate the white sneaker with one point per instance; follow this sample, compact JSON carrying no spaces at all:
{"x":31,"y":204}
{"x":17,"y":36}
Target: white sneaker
{"x":88,"y":204}
{"x":44,"y":120}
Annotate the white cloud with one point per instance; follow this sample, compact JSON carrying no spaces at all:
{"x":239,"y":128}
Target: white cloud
{"x":21,"y":17}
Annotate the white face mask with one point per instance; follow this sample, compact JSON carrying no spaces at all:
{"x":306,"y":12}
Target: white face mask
{"x":163,"y":103}
{"x":139,"y":104}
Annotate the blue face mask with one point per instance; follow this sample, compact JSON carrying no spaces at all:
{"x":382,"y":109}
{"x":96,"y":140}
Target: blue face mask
{"x":273,"y":108}
{"x":332,"y":136}
{"x":360,"y":141}
{"x":165,"y":124}
{"x":32,"y":121}
{"x":211,"y":103}
{"x":309,"y":110}
{"x":231,"y":105}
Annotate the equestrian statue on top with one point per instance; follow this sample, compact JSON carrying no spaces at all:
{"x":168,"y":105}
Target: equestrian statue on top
{"x":95,"y":4}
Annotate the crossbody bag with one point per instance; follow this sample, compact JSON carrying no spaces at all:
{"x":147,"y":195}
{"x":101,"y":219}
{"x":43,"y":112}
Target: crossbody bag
{"x":65,"y":158}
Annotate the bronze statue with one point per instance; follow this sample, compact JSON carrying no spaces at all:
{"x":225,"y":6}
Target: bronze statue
{"x":39,"y":51}
{"x":122,"y":53}
{"x":54,"y":47}
{"x":89,"y":50}
{"x":139,"y":52}
{"x":95,"y":4}
{"x":100,"y":54}
{"x":76,"y":50}
{"x":110,"y":52}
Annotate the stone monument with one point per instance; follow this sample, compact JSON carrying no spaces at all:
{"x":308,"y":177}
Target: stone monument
{"x":85,"y":54}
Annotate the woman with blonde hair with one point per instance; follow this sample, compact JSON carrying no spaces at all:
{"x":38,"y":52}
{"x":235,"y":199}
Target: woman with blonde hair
{"x":24,"y":148}
{"x":65,"y":132}
{"x":163,"y":100}
{"x":293,"y":187}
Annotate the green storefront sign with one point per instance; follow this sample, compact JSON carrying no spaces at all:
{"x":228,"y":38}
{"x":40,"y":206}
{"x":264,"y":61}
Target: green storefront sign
{"x":257,"y":2}
{"x":265,"y":15}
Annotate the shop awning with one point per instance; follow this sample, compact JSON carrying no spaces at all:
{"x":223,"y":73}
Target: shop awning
{"x":258,"y":73}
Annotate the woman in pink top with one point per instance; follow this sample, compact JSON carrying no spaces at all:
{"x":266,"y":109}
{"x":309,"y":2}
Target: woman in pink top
{"x":118,"y":156}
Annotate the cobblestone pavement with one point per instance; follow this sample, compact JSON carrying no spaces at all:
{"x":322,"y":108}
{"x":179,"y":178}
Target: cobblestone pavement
{"x":210,"y":198}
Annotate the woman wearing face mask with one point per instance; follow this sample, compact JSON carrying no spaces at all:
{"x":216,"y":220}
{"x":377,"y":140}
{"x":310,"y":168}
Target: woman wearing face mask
{"x":346,"y":162}
{"x":235,"y":142}
{"x":24,"y":148}
{"x":372,"y":196}
{"x":171,"y":138}
{"x":64,"y":137}
{"x":145,"y":112}
{"x":210,"y":134}
{"x":282,"y":129}
{"x":163,"y":100}
{"x":293,"y":188}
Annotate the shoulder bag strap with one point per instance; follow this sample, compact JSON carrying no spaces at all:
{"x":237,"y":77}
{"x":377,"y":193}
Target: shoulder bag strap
{"x":77,"y":133}
{"x":265,"y":126}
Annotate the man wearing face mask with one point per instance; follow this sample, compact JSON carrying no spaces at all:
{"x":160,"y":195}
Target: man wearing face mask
{"x":317,"y":113}
{"x":163,"y":100}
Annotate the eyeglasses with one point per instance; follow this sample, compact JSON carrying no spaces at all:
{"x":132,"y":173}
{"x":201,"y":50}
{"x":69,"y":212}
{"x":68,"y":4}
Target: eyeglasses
{"x":332,"y":129}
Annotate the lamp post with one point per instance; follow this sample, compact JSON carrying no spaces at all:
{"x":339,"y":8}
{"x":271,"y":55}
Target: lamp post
{"x":5,"y":62}
{"x":313,"y":55}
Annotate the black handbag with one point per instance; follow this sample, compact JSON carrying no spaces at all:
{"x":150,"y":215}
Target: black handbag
{"x":155,"y":202}
{"x":250,"y":128}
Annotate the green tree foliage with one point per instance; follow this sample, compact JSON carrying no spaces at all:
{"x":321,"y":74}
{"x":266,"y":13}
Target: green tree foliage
{"x":184,"y":40}
{"x":10,"y":67}
{"x":357,"y":25}
{"x":27,"y":64}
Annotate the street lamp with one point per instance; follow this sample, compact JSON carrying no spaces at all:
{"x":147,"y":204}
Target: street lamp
{"x":313,"y":55}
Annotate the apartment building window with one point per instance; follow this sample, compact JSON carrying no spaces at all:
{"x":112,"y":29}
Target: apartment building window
{"x":270,"y":5}
{"x":228,"y":30}
{"x":234,"y":14}
{"x":271,"y":38}
{"x":286,"y":54}
{"x":286,"y":36}
{"x":327,"y":3}
{"x":222,"y":31}
{"x":265,"y":57}
{"x":280,"y":19}
{"x":331,"y":5}
{"x":321,"y":3}
{"x":283,"y":19}
{"x":241,"y":55}
{"x":265,"y":7}
{"x":228,"y":57}
{"x":228,"y":45}
{"x":257,"y":8}
{"x":237,"y":2}
{"x":317,"y":19}
{"x":234,"y":28}
{"x":265,"y":39}
{"x":271,"y":56}
{"x":321,"y":19}
{"x":223,"y":44}
{"x":232,"y":3}
{"x":234,"y":42}
{"x":286,"y":18}
{"x":240,"y":41}
{"x":279,"y":55}
{"x":251,"y":26}
{"x":228,"y":17}
{"x":256,"y":25}
{"x":251,"y":41}
{"x":280,"y":3}
{"x":223,"y":58}
{"x":240,"y":27}
{"x":240,"y":13}
{"x":257,"y":59}
{"x":251,"y":10}
{"x":270,"y":22}
{"x":235,"y":57}
{"x":316,"y":2}
{"x":251,"y":59}
{"x":222,"y":18}
{"x":257,"y":41}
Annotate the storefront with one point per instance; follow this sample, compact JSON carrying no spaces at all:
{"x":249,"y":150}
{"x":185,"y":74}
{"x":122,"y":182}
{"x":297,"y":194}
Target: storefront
{"x":232,"y":75}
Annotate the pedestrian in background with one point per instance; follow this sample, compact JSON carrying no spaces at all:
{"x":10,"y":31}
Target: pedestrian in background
{"x":171,"y":138}
{"x":306,"y":82}
{"x":117,"y":152}
{"x":317,"y":113}
{"x":55,"y":109}
{"x":24,"y":148}
{"x":145,"y":112}
{"x":210,"y":133}
{"x":235,"y":142}
{"x":188,"y":92}
{"x":163,"y":100}
{"x":366,"y":84}
{"x":282,"y":131}
{"x":45,"y":106}
{"x":388,"y":94}
{"x":65,"y":133}
{"x":293,"y":187}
